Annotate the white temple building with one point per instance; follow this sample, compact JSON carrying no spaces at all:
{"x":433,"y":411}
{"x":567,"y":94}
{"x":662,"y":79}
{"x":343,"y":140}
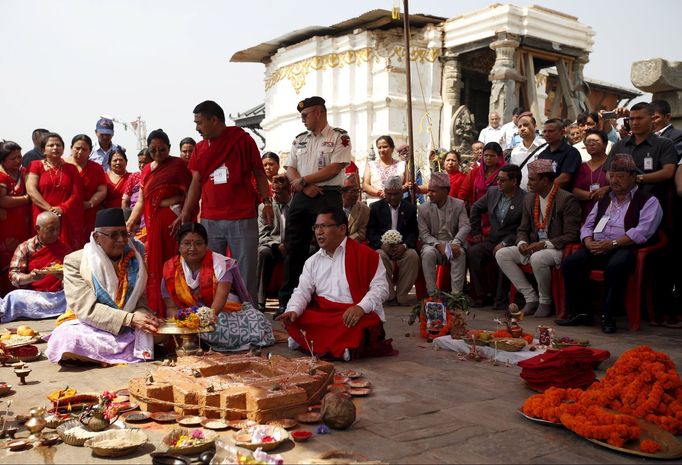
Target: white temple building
{"x":494,"y":58}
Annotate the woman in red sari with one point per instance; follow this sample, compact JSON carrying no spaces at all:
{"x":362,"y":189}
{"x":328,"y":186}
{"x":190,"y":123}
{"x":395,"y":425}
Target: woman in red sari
{"x":451,"y":165}
{"x":56,"y":186}
{"x":164,"y":184}
{"x":117,"y":177}
{"x":94,"y":182}
{"x":15,"y":226}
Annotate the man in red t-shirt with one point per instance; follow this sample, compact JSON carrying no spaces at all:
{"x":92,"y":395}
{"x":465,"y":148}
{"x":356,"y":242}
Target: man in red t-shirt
{"x":222,"y":167}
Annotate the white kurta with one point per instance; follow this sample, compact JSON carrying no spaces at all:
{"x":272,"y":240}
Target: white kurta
{"x":325,"y":276}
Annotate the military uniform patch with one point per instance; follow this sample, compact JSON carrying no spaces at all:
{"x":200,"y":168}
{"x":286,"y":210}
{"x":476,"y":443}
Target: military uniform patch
{"x":345,"y":140}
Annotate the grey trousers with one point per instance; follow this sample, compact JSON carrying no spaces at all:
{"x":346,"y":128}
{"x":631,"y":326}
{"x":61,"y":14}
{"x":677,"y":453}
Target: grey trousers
{"x":408,"y":269}
{"x":242,"y":238}
{"x":431,"y":257}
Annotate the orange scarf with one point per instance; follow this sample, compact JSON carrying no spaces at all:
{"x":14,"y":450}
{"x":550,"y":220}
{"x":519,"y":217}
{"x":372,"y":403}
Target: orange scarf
{"x":182,"y":294}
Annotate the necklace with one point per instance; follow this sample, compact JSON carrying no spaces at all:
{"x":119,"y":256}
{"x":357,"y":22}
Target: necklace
{"x":548,"y":208}
{"x":52,"y":177}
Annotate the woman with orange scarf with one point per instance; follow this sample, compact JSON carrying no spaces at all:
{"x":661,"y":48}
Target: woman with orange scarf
{"x":164,"y":184}
{"x":198,"y":277}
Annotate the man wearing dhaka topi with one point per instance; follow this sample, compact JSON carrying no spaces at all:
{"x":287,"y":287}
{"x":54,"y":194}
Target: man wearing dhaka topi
{"x":336,"y":309}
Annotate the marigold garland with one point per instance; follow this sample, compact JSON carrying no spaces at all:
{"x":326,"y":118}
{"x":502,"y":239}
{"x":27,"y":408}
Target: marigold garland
{"x":649,"y":446}
{"x":503,"y":334}
{"x":548,"y":208}
{"x":641,"y":384}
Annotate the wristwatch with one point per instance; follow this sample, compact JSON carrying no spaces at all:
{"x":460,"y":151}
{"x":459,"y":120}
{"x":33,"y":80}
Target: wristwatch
{"x":640,"y":178}
{"x":614,"y":243}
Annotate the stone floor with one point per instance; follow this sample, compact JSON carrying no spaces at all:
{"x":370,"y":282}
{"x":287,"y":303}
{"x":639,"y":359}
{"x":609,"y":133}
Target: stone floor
{"x":427,"y":406}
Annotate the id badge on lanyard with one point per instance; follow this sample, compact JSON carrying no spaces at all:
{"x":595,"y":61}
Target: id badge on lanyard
{"x":648,"y":163}
{"x":221,"y":175}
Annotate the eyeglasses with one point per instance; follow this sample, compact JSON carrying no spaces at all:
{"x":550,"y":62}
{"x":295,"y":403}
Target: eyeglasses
{"x":116,"y":235}
{"x":592,"y":142}
{"x":323,"y":225}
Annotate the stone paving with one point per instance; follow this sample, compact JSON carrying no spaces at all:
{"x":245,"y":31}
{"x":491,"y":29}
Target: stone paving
{"x":427,"y":406}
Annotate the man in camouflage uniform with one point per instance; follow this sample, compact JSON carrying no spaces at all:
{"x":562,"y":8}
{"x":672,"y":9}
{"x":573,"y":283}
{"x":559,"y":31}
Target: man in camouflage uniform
{"x":315,"y":168}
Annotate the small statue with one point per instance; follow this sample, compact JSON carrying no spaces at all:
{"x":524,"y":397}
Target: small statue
{"x":459,"y":324}
{"x":463,"y":132}
{"x":511,"y":320}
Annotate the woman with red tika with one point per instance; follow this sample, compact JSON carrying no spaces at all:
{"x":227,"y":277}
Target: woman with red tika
{"x":117,"y":178}
{"x":94,"y":182}
{"x":451,"y":166}
{"x":56,"y":186}
{"x":165,"y":182}
{"x":15,"y":224}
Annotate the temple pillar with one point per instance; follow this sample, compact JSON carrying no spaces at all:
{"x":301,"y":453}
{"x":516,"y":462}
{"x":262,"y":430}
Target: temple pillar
{"x":504,"y":75}
{"x":450,"y":91}
{"x":663,"y":78}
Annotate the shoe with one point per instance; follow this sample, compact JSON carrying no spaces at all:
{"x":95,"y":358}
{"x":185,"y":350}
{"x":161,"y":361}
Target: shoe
{"x":544,"y":310}
{"x":293,"y":345}
{"x":281,"y":309}
{"x":581,"y":319}
{"x":677,"y":324}
{"x":608,"y":325}
{"x":530,"y":308}
{"x":346,"y":354}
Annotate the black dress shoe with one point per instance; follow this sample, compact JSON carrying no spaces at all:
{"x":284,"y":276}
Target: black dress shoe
{"x":581,"y":319}
{"x":608,"y":325}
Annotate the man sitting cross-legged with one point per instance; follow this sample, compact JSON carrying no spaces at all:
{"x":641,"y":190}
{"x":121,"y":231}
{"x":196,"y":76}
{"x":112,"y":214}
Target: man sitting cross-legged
{"x":551,"y":219}
{"x":336,"y":309}
{"x":398,"y":214}
{"x":40,"y":293}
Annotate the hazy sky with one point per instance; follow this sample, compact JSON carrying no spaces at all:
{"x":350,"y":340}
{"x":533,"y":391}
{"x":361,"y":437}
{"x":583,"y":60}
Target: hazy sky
{"x":66,"y":62}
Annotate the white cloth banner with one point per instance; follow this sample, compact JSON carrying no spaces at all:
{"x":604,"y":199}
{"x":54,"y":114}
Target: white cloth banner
{"x":458,"y":345}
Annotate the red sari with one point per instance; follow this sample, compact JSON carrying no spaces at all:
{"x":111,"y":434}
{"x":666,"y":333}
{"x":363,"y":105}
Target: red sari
{"x":16,"y":228}
{"x":92,"y":175}
{"x":322,"y":321}
{"x":115,"y":191}
{"x":170,"y":178}
{"x":63,"y":188}
{"x":456,"y":180}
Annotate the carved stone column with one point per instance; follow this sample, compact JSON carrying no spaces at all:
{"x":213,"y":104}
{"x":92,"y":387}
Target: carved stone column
{"x":579,"y":83}
{"x":663,"y":78}
{"x":450,"y":90}
{"x":504,"y":76}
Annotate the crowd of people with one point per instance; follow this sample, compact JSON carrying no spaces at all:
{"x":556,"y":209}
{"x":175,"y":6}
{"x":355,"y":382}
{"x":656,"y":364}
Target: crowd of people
{"x":113,"y":254}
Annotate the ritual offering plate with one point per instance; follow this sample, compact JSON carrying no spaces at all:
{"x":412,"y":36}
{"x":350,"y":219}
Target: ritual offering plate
{"x":350,"y":374}
{"x":539,"y":420}
{"x":301,"y":436}
{"x":165,"y":417}
{"x":116,"y":443}
{"x":508,"y":344}
{"x":18,"y":341}
{"x":241,"y":424}
{"x":16,"y":446}
{"x":55,"y":419}
{"x":74,"y":433}
{"x":214,"y":424}
{"x":359,"y":384}
{"x":5,"y":389}
{"x":671,"y":448}
{"x":24,"y":353}
{"x":338,"y":387}
{"x":340,"y":379}
{"x":190,"y":420}
{"x":359,"y":392}
{"x":286,"y":423}
{"x":136,"y":417}
{"x":310,"y":417}
{"x":568,"y":342}
{"x":50,"y":439}
{"x":183,"y":441}
{"x":263,"y":437}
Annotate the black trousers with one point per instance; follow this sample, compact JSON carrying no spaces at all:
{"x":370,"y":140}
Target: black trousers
{"x":576,"y":269}
{"x":486,"y":279}
{"x":299,"y":234}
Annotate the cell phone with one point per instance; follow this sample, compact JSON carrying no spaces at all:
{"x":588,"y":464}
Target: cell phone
{"x":626,"y":124}
{"x":609,"y":115}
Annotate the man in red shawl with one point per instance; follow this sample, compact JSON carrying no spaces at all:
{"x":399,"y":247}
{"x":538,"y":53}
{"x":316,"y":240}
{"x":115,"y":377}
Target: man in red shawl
{"x":36,"y":269}
{"x":336,"y":309}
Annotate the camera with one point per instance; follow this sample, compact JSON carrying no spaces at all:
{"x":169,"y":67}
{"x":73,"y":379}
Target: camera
{"x":609,"y":115}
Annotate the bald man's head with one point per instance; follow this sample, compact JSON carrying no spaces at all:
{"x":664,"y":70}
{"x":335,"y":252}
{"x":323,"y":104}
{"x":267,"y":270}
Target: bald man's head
{"x":47,"y":227}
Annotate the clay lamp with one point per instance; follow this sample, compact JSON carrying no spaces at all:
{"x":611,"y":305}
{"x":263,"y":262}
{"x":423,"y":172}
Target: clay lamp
{"x":22,"y":372}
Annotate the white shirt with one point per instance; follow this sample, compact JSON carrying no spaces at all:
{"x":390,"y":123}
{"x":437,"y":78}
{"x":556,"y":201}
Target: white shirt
{"x":491,"y":134}
{"x":325,"y":276}
{"x":394,"y":217}
{"x":509,"y":130}
{"x":311,"y":153}
{"x":520,"y":153}
{"x":101,"y":156}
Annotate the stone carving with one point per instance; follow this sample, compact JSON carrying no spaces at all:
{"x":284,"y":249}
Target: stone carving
{"x":504,"y":77}
{"x":463,"y":132}
{"x":657,"y":75}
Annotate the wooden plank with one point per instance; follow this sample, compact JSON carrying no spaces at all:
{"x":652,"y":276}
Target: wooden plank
{"x":531,"y":90}
{"x":567,"y":90}
{"x":558,"y":96}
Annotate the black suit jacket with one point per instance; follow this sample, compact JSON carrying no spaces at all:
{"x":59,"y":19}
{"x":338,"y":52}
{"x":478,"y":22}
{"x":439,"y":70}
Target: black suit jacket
{"x":674,"y":135}
{"x":499,"y":232}
{"x":380,"y":222}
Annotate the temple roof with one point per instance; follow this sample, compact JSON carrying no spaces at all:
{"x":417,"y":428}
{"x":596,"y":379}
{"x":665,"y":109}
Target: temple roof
{"x":374,"y":19}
